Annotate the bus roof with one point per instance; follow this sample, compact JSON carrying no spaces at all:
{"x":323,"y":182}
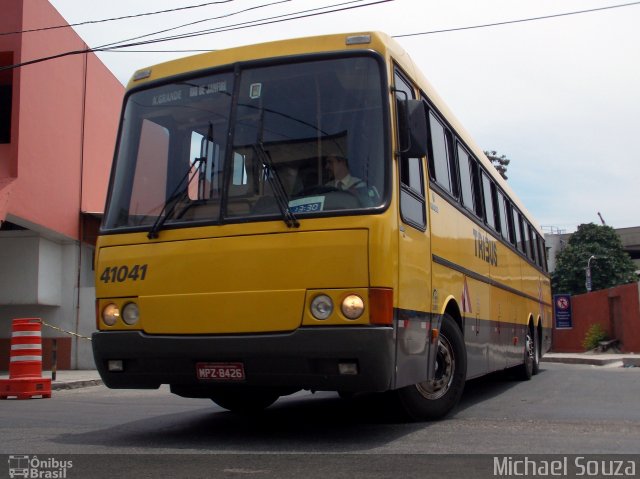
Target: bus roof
{"x":358,"y":41}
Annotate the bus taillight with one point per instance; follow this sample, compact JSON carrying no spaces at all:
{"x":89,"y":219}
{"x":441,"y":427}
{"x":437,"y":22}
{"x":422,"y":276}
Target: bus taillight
{"x":381,"y":306}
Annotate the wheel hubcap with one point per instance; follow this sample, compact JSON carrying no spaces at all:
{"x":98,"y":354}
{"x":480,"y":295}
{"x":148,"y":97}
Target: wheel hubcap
{"x":531,"y":354}
{"x":445,"y":368}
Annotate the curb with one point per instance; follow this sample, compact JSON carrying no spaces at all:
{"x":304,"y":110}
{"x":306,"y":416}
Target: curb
{"x":631,"y":362}
{"x":76,"y":384}
{"x":594,"y":360}
{"x":575,"y":360}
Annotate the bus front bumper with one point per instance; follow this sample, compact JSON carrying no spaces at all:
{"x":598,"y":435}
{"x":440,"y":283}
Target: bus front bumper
{"x":307,"y":358}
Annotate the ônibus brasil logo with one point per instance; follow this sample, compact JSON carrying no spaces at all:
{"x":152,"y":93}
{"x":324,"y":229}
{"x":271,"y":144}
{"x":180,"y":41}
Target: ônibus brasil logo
{"x":38,"y":468}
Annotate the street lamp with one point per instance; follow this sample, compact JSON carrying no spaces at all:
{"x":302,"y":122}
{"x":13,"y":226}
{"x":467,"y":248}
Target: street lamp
{"x":588,"y":274}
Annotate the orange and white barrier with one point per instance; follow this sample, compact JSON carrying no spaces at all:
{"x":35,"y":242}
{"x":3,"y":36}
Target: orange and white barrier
{"x":25,"y":362}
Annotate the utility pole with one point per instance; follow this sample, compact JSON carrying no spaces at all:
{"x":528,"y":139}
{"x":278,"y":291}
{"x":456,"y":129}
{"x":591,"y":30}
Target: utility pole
{"x":588,"y":274}
{"x":602,"y":219}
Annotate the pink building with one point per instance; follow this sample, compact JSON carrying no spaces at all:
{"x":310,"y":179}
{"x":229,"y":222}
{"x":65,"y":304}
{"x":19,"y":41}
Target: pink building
{"x":58,"y":122}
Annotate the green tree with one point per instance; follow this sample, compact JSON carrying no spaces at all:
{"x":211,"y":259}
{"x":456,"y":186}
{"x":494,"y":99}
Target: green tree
{"x":500,"y":162}
{"x":611,"y":266}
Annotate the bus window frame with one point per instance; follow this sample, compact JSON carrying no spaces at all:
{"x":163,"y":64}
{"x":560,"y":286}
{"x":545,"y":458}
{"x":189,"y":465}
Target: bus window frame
{"x":453,"y":188}
{"x":488,"y":195}
{"x":516,"y":221}
{"x":386,"y":113}
{"x":407,"y":193}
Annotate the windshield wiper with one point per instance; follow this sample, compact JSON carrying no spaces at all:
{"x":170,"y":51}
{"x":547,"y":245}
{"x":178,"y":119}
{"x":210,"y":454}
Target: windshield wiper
{"x":175,"y":198}
{"x":279,"y":193}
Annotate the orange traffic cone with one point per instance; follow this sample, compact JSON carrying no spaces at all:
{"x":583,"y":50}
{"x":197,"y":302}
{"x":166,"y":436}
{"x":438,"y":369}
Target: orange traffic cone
{"x":25,"y":362}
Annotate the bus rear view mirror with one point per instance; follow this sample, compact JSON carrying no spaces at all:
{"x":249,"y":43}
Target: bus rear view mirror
{"x":413,"y":128}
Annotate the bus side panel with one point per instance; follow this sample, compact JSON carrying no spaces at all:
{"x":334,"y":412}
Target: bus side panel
{"x":412,"y":347}
{"x":477,"y":329}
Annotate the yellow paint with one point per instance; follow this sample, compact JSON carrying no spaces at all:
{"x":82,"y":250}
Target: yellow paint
{"x":261,"y":276}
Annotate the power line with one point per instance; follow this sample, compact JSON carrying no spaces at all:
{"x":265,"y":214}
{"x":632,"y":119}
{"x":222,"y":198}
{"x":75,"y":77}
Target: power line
{"x":220,"y":29}
{"x":509,"y":22}
{"x":194,"y":23}
{"x":228,"y":28}
{"x":88,"y":22}
{"x":277,"y":19}
{"x":253,"y":23}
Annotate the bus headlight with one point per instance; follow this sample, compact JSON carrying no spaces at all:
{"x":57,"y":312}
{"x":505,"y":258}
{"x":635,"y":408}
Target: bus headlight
{"x":110,"y":314}
{"x":352,"y":306}
{"x":321,"y":306}
{"x":130,"y":313}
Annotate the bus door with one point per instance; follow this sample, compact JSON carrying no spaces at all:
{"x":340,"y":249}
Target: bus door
{"x":414,"y":259}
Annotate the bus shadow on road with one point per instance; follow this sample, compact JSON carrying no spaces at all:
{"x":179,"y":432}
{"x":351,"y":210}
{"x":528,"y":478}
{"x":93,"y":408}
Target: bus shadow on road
{"x":302,"y":422}
{"x":485,"y":388}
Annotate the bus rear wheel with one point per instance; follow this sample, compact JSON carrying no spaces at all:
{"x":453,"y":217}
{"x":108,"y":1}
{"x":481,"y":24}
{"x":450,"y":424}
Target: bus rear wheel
{"x":536,"y":347}
{"x":434,"y":399}
{"x":245,"y":400}
{"x":528,"y":364}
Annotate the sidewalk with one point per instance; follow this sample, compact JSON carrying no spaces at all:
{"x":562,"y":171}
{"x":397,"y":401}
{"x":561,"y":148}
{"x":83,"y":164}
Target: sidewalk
{"x":69,"y":379}
{"x":594,"y":359}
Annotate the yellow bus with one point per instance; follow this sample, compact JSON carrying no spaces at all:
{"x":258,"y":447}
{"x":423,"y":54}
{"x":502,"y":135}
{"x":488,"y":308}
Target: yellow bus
{"x":308,"y":215}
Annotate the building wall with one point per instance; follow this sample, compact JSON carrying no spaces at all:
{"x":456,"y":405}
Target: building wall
{"x":67,"y":122}
{"x":617,"y":310}
{"x":10,"y":50}
{"x":56,"y":167}
{"x":630,"y":238}
{"x":51,"y":290}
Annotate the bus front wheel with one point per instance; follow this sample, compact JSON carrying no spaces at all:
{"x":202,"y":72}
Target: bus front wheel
{"x":434,"y":399}
{"x":244,"y":400}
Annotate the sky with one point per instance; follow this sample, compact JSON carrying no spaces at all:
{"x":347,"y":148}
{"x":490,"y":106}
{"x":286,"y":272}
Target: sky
{"x":560,"y":97}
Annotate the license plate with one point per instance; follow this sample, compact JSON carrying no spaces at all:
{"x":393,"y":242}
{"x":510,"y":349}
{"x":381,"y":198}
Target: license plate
{"x":220,"y":371}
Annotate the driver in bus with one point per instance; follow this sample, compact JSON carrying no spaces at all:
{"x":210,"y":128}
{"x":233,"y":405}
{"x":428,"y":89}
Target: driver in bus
{"x":338,"y":167}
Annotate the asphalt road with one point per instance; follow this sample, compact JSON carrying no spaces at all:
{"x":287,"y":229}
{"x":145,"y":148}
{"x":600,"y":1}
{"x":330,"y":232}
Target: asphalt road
{"x":566,"y":409}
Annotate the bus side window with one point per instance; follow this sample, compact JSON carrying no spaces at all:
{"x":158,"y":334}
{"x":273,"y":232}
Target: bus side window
{"x":496,"y":207}
{"x":474,"y":171}
{"x":412,"y":198}
{"x":509,"y":218}
{"x":441,"y":160}
{"x":538,"y":243}
{"x":490,"y":217}
{"x":504,"y":222}
{"x":466,"y":180}
{"x":517,"y":219}
{"x":528,"y":241}
{"x":543,"y":253}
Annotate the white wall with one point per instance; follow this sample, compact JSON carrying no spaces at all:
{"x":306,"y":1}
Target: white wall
{"x":39,"y":278}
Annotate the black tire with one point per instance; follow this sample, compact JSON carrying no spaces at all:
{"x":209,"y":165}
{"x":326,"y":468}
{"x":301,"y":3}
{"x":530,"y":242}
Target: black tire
{"x":245,"y":400}
{"x":525,"y":370}
{"x":433,"y":400}
{"x":346,"y":395}
{"x":536,"y":347}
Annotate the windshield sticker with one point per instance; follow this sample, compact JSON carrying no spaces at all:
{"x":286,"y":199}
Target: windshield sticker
{"x":170,"y":97}
{"x":208,"y":89}
{"x":255,"y":91}
{"x":310,"y":204}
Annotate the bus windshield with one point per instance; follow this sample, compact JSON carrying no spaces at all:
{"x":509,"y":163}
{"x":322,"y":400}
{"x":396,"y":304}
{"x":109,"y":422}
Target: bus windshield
{"x":270,"y":141}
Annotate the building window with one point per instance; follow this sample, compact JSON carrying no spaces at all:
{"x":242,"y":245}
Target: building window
{"x":6,"y":93}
